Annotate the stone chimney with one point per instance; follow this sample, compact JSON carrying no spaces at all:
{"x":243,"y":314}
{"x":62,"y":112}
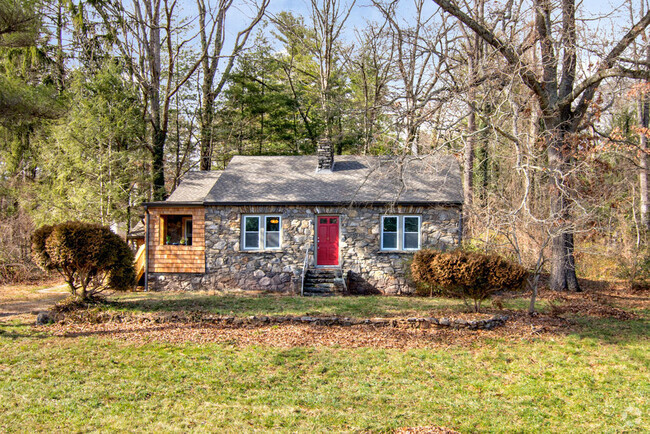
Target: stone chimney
{"x":325,"y":154}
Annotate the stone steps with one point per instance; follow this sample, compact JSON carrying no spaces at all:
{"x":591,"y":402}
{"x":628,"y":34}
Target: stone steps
{"x":323,"y":282}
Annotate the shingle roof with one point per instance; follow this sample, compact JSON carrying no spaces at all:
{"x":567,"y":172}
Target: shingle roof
{"x":361,"y":179}
{"x":136,"y":231}
{"x":195,"y":186}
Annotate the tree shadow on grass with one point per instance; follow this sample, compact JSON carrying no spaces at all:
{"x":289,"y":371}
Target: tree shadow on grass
{"x":361,"y":306}
{"x":22,"y":331}
{"x":610,"y":330}
{"x":607,"y":311}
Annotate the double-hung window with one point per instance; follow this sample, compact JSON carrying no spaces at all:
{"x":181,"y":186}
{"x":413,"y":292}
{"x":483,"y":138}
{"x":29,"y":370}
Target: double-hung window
{"x":271,"y":232}
{"x":400,"y":232}
{"x":261,"y":232}
{"x":252,"y":232}
{"x":389,"y":225}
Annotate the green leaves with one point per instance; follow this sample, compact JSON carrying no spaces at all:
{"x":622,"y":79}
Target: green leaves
{"x":92,"y":158}
{"x":89,"y":256}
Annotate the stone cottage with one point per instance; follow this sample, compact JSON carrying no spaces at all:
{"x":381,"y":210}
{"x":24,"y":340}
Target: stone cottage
{"x":303,"y":224}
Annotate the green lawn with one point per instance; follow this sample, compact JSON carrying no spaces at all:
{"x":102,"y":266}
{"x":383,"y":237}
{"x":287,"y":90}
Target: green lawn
{"x":243,"y":305}
{"x":592,"y":380}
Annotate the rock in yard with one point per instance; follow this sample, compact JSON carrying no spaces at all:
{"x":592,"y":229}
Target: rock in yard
{"x":44,"y":318}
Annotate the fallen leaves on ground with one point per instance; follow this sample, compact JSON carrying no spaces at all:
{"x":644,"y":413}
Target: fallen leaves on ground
{"x":200,"y":327}
{"x":143,"y":330}
{"x":590,"y":304}
{"x":425,"y":430}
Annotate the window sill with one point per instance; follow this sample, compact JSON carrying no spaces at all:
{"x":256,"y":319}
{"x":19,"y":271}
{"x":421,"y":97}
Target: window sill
{"x":260,"y":250}
{"x":383,"y":252}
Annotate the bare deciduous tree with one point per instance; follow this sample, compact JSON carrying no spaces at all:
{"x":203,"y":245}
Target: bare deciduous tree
{"x":328,"y":21}
{"x":563,"y":98}
{"x":140,"y":32}
{"x":371,"y":66}
{"x":643,"y":118}
{"x":212,"y":43}
{"x":420,"y":46}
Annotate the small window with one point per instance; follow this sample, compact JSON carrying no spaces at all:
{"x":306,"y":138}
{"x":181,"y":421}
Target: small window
{"x":272,"y":232}
{"x":411,"y":233}
{"x":176,"y":230}
{"x":261,"y":232}
{"x":400,"y":232}
{"x":251,"y":232}
{"x":389,"y":233}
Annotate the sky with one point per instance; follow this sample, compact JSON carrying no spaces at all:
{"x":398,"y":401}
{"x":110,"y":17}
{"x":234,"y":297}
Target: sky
{"x":611,"y":28}
{"x":363,"y":12}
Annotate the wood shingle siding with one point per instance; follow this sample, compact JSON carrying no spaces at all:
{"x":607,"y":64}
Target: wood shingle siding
{"x":176,"y":259}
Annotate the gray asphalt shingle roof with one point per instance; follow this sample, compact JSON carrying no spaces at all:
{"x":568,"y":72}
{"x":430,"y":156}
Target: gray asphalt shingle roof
{"x":294,"y":179}
{"x":195,"y":186}
{"x":136,"y":231}
{"x":281,"y":179}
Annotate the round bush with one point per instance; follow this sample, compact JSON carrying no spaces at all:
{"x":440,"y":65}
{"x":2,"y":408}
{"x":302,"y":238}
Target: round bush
{"x":90,"y":257}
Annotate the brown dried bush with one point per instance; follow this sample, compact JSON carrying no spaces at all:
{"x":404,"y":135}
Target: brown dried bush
{"x":469,"y":275}
{"x":418,"y":270}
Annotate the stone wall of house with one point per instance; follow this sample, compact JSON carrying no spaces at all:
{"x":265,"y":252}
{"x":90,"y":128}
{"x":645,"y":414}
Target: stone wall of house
{"x":369,"y":269}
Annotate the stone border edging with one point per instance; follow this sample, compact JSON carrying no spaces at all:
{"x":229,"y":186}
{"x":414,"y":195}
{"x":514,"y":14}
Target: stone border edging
{"x":413,"y":322}
{"x":197,"y":317}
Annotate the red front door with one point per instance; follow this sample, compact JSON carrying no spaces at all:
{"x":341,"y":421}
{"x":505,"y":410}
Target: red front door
{"x":327,"y":241}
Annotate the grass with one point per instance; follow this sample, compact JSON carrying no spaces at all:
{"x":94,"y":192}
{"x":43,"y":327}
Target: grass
{"x":239,"y":305}
{"x":571,"y":384}
{"x":593,"y":378}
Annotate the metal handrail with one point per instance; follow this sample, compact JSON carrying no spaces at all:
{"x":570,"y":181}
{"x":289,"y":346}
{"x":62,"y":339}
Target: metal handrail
{"x":304,"y":270}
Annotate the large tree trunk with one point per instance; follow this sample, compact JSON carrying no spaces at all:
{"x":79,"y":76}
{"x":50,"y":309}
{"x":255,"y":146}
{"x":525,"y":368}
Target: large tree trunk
{"x":643,"y":112}
{"x":158,"y":116}
{"x":60,"y":66}
{"x":207,"y":116}
{"x":473,"y":58}
{"x":563,"y":272}
{"x":468,"y":170}
{"x":157,"y":163}
{"x":213,"y":41}
{"x":643,"y":108}
{"x":209,"y":66}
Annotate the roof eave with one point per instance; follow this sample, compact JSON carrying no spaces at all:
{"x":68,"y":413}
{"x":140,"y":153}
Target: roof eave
{"x":345,"y":203}
{"x":165,"y":204}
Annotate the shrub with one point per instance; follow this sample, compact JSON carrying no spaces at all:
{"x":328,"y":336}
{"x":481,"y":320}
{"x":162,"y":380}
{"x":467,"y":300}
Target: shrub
{"x":419,"y":270}
{"x":90,"y":257}
{"x":634,"y":267}
{"x":467,"y":274}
